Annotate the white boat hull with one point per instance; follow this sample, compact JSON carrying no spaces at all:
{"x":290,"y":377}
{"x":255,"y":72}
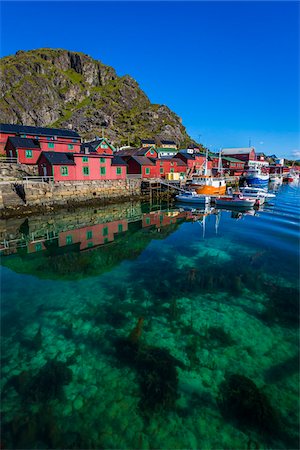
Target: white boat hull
{"x":196,"y":198}
{"x":227,"y":201}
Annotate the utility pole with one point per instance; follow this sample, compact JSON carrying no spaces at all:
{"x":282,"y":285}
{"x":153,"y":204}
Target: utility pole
{"x":249,"y":141}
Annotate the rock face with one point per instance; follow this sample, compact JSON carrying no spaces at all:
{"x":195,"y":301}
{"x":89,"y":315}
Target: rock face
{"x":59,"y":88}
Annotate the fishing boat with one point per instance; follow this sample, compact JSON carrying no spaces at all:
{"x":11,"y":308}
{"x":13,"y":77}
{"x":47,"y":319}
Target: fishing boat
{"x":236,"y":200}
{"x":258,"y":193}
{"x":192,"y":197}
{"x":208,"y":185}
{"x":256,"y":177}
{"x":290,"y":176}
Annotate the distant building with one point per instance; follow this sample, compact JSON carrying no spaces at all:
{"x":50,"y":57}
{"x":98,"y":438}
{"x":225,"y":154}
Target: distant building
{"x":101,"y":145}
{"x":166,"y":151}
{"x":148,"y":143}
{"x":168,"y":144}
{"x":243,"y":154}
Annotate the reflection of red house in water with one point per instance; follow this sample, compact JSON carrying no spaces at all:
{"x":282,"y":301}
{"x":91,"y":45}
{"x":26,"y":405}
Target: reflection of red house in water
{"x":91,"y":236}
{"x":49,"y":139}
{"x":86,"y":237}
{"x":161,"y":219}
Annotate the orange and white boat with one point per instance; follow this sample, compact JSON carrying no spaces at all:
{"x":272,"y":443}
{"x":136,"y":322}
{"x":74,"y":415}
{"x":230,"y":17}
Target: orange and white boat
{"x":208,"y":185}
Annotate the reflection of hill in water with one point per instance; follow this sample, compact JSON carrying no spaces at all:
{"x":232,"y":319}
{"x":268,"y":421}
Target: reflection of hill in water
{"x":69,"y":262}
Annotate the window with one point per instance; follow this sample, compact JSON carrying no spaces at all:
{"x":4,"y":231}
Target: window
{"x":119,"y":170}
{"x":148,"y":220}
{"x":89,"y":234}
{"x":38,"y":247}
{"x":64,"y":171}
{"x":28,"y":153}
{"x":23,"y":135}
{"x":74,"y":140}
{"x":69,"y":239}
{"x":172,"y":164}
{"x":50,"y":145}
{"x":70,"y":146}
{"x":85,"y":171}
{"x":102,"y":170}
{"x":85,"y":159}
{"x":105,"y":231}
{"x":90,"y":244}
{"x":104,"y":146}
{"x":182,"y":174}
{"x":147,"y":171}
{"x":161,"y":170}
{"x":102,"y":160}
{"x":151,"y":152}
{"x":172,"y":170}
{"x":120,"y":228}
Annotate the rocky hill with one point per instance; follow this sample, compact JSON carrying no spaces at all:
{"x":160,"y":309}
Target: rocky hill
{"x":59,"y":88}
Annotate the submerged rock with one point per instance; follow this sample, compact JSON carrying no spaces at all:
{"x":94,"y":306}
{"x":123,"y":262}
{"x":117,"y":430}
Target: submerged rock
{"x":241,"y":400}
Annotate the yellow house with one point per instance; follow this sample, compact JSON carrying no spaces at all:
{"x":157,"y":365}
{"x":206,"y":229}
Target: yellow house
{"x":168,"y":144}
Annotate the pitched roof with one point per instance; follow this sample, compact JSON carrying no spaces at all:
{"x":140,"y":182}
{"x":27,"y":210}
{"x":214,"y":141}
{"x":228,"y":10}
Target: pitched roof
{"x":134,"y":151}
{"x":19,"y":142}
{"x":143,"y":161}
{"x":227,"y":158}
{"x":168,"y":142}
{"x":118,"y":161}
{"x":237,"y":151}
{"x":148,"y":141}
{"x":57,"y":158}
{"x":93,"y":145}
{"x":37,"y":131}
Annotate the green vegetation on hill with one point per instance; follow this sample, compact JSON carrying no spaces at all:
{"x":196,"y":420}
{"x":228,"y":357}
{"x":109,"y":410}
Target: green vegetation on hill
{"x":55,"y":87}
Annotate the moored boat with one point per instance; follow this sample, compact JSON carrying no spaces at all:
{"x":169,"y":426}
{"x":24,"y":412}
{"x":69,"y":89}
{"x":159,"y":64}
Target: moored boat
{"x":258,"y":193}
{"x":192,"y":197}
{"x":207,"y":184}
{"x":256,"y":177}
{"x":236,"y":200}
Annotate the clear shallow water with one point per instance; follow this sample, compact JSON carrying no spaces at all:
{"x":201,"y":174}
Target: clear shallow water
{"x":129,"y":328}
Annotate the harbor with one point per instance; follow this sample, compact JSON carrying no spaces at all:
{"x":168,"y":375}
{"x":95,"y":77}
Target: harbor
{"x":81,"y":293}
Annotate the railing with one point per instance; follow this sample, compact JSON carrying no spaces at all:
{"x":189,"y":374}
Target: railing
{"x":9,"y":160}
{"x":40,"y":179}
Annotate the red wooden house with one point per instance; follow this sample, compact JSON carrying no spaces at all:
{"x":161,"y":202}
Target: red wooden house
{"x":170,"y":165}
{"x":101,"y":146}
{"x":53,"y":139}
{"x":27,"y":151}
{"x":194,"y":161}
{"x":232,"y":166}
{"x":243,"y":154}
{"x":141,"y":165}
{"x":80,"y":167}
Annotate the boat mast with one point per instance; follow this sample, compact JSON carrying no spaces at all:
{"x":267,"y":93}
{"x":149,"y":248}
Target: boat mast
{"x":220,"y":168}
{"x":206,"y":163}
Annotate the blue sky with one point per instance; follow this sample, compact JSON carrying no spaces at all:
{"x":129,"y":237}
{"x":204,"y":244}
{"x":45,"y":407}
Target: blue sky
{"x":229,"y":69}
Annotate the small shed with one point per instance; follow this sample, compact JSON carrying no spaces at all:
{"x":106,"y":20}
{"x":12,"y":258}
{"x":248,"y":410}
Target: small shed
{"x":27,"y":151}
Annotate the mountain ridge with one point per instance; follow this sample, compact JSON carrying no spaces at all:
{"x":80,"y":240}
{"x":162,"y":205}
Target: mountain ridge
{"x":62,"y":88}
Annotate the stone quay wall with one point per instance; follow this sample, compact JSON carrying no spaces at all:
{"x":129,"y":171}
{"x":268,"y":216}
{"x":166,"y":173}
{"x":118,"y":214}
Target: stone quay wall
{"x":18,"y":197}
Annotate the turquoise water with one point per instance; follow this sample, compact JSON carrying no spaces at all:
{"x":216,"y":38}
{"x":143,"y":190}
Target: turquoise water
{"x":138,"y":327}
